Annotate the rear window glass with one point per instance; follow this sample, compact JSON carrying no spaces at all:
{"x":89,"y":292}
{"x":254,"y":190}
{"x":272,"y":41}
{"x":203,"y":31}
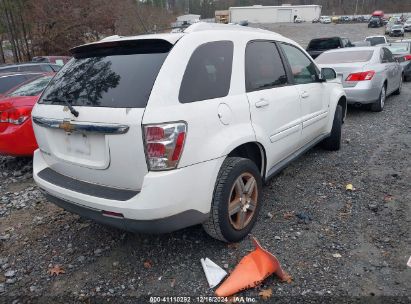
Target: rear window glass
{"x":31,"y":68}
{"x":396,"y":48}
{"x":9,"y":82}
{"x":32,"y":88}
{"x":11,"y":69}
{"x":344,"y":57}
{"x":376,"y":40}
{"x":115,"y":75}
{"x":208,"y":72}
{"x":324,"y":44}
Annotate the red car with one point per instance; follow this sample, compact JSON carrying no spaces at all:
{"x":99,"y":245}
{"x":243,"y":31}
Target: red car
{"x":16,"y":131}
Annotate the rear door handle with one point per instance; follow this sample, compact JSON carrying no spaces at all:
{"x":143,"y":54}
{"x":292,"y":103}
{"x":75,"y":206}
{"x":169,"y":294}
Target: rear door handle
{"x":305,"y":94}
{"x":262,"y":103}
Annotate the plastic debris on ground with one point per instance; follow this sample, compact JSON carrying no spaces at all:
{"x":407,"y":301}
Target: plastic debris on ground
{"x":349,"y":187}
{"x":253,"y":269}
{"x":213,"y":272}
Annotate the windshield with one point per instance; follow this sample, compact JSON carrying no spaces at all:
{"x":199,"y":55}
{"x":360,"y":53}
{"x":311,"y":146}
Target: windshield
{"x":376,"y":40}
{"x":397,"y":26}
{"x":32,"y":88}
{"x":324,"y":44}
{"x":344,"y":57}
{"x":396,"y":48}
{"x":119,"y":76}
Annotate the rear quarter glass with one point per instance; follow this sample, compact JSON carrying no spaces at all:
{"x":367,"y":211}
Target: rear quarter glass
{"x":114,"y":75}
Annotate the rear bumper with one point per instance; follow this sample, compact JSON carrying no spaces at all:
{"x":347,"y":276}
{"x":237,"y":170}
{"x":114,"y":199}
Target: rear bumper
{"x":167,"y":201}
{"x":163,"y":225}
{"x":363,"y":93}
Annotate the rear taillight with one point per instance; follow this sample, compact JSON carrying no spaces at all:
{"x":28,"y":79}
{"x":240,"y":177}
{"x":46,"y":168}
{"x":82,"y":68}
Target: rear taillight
{"x":164,"y":145}
{"x":15,"y":116}
{"x":361,"y":76}
{"x":407,"y":57}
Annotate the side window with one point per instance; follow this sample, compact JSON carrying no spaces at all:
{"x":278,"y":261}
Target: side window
{"x":389,"y":55}
{"x":263,"y":66}
{"x":208,"y":72}
{"x":303,"y":69}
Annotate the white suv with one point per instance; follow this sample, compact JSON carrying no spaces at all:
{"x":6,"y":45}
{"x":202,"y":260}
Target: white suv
{"x":159,"y":132}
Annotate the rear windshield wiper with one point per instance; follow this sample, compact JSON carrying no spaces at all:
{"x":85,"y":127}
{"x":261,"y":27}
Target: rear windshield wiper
{"x":69,"y":106}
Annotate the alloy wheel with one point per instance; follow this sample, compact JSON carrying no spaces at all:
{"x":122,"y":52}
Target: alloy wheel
{"x":382,"y":98}
{"x":243,"y":201}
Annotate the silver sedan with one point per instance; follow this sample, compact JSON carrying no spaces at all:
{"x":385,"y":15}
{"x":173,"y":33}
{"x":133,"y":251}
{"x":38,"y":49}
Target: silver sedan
{"x":368,"y":74}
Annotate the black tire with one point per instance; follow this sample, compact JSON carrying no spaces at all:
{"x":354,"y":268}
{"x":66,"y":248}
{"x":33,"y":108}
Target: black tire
{"x":378,"y":106}
{"x":398,"y":91}
{"x":333,"y":142}
{"x":219,"y":225}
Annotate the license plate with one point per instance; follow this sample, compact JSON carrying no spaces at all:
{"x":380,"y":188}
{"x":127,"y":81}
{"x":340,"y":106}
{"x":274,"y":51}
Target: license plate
{"x":77,"y":143}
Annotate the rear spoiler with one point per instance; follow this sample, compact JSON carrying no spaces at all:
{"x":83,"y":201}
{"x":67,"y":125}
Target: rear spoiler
{"x":122,"y":47}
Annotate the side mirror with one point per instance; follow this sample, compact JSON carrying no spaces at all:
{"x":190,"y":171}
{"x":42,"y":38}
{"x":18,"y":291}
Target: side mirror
{"x":328,"y":74}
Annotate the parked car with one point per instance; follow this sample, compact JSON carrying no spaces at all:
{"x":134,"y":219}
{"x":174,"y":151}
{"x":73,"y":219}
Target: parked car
{"x":11,"y":80}
{"x":361,"y":43}
{"x":369,"y":74}
{"x":375,"y":21}
{"x":325,"y":19}
{"x":407,"y":25}
{"x":298,"y":20}
{"x":318,"y":45}
{"x":315,"y":20}
{"x":218,"y":110}
{"x":378,"y":13}
{"x":59,"y":60}
{"x":16,"y":130}
{"x":402,"y":52}
{"x":30,"y":67}
{"x":397,"y":30}
{"x":375,"y":40}
{"x":388,"y":27}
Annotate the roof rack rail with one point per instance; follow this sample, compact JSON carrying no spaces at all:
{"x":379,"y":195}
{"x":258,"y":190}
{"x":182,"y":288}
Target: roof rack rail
{"x":207,"y":26}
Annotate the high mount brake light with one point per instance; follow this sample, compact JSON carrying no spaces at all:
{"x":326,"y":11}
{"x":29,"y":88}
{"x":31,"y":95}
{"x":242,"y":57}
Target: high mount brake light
{"x":15,"y":116}
{"x":361,"y":76}
{"x":164,"y":145}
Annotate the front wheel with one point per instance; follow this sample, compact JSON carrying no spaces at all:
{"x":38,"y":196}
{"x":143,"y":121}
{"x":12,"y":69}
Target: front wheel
{"x":236,"y":200}
{"x":333,"y":142}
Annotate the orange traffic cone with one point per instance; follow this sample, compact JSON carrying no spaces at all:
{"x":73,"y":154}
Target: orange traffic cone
{"x":251,"y":271}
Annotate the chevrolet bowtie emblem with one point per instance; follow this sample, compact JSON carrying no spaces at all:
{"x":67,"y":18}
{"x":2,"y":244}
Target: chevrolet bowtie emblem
{"x":67,"y":126}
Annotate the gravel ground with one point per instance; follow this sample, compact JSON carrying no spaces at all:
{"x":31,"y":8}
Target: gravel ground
{"x":352,"y":245}
{"x":304,"y":32}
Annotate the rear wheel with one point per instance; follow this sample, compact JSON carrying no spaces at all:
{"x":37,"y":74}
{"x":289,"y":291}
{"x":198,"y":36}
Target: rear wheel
{"x":236,"y":200}
{"x":378,"y":106}
{"x":333,"y":142}
{"x":398,"y":91}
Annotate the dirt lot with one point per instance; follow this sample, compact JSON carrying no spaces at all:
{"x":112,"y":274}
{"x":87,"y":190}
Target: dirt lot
{"x":352,"y":246}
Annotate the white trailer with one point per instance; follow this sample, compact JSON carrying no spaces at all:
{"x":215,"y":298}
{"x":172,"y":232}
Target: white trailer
{"x":273,"y":14}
